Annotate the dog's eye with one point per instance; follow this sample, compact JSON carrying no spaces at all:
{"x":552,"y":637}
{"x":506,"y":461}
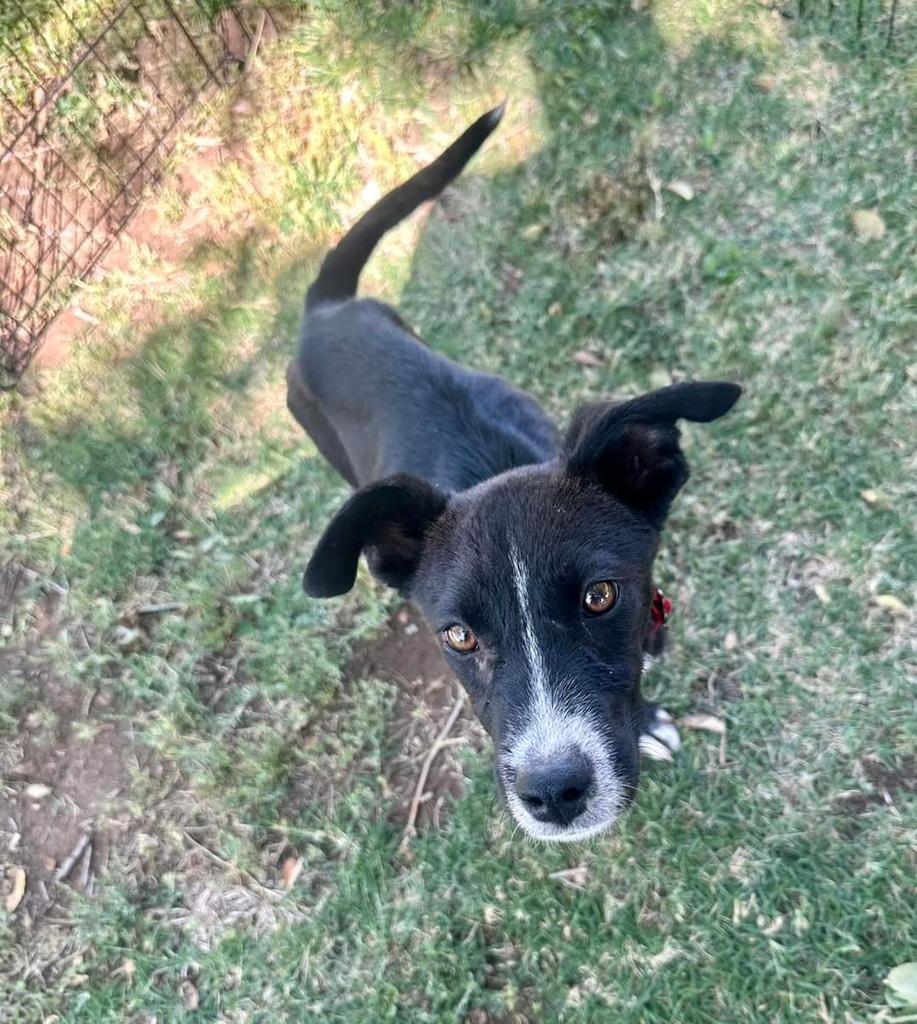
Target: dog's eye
{"x":460,"y":638}
{"x":600,"y":597}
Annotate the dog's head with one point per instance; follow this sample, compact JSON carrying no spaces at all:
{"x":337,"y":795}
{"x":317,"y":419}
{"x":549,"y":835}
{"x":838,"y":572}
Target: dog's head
{"x":538,"y":582}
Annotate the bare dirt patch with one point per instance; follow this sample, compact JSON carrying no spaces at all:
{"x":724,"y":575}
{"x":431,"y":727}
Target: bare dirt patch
{"x":75,"y":808}
{"x":887,"y":787}
{"x":69,"y":783}
{"x":64,"y":773}
{"x":409,"y":656}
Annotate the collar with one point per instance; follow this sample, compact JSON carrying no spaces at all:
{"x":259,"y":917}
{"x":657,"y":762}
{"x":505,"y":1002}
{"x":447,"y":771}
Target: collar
{"x":660,"y":610}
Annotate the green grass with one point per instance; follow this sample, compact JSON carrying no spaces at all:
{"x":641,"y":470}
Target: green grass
{"x":159,"y":464}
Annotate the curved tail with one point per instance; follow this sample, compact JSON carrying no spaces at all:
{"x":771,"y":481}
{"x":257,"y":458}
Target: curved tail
{"x":340,"y":270}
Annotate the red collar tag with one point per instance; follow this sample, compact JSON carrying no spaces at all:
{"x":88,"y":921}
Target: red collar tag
{"x":660,"y":609}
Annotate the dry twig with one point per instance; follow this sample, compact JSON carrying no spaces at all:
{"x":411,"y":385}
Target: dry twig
{"x":234,"y":868}
{"x":441,"y":741}
{"x":69,"y":862}
{"x":256,"y":41}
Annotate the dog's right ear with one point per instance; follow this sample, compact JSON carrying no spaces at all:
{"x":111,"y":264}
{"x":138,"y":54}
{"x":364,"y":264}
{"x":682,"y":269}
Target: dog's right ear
{"x":387,"y":521}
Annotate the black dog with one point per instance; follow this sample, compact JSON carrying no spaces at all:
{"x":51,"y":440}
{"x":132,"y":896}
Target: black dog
{"x":530,"y":554}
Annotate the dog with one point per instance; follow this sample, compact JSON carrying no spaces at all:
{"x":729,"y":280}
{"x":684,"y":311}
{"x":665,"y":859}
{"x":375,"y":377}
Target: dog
{"x":528,"y":551}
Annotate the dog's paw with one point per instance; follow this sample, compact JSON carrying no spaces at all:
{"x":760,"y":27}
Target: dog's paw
{"x":659,"y":740}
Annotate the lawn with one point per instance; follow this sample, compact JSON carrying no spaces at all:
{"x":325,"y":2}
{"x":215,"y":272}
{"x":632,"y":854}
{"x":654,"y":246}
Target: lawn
{"x":685,"y":189}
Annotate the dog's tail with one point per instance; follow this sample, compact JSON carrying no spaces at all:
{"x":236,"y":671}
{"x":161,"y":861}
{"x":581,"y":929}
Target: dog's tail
{"x":341,"y":268}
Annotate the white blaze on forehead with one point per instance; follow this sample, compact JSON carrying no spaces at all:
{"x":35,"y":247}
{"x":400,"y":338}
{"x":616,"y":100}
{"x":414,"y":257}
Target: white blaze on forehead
{"x":533,"y":653}
{"x":547,"y":730}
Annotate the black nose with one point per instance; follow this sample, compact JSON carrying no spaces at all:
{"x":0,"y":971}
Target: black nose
{"x":556,"y":790}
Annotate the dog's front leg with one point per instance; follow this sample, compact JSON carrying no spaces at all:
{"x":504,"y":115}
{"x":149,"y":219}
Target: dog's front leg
{"x":659,"y":739}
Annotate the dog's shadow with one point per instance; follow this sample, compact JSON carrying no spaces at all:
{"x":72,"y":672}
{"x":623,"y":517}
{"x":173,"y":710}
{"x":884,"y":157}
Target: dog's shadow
{"x":510,"y":274}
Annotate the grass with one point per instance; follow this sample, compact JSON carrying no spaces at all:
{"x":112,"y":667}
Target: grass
{"x":159,"y":465}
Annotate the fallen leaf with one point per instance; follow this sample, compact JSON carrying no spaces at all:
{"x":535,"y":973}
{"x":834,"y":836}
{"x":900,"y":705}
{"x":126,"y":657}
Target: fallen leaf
{"x":901,"y":986}
{"x":868,"y":225}
{"x":83,"y":315}
{"x":17,"y":889}
{"x":775,"y":926}
{"x":290,"y":871}
{"x":189,"y":995}
{"x":573,"y":877}
{"x":37,"y":791}
{"x":660,"y":377}
{"x":874,"y":497}
{"x":127,"y":637}
{"x":665,"y":956}
{"x":737,"y":864}
{"x":680,"y":188}
{"x":127,"y":969}
{"x":555,"y":309}
{"x":532,"y":231}
{"x":890,"y":603}
{"x":704,"y":722}
{"x":731,"y":640}
{"x":585,"y":358}
{"x":492,"y":915}
{"x":639,"y":5}
{"x":766,"y":83}
{"x":821,"y":592}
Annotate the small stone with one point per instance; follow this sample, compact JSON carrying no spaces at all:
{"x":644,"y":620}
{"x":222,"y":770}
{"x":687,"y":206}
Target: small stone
{"x":868,"y":225}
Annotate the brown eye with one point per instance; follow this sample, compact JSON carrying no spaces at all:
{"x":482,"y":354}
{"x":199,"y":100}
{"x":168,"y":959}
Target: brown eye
{"x":460,"y":638}
{"x":600,"y":597}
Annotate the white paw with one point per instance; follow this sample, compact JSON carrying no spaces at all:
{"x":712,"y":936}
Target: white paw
{"x":661,"y":740}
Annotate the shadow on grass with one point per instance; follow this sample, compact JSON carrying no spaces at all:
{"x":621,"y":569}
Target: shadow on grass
{"x":135,"y":448}
{"x":160,"y":406}
{"x":483,"y":282}
{"x":505,"y":276}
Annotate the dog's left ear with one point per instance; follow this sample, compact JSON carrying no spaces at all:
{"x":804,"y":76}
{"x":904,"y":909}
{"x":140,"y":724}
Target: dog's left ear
{"x":387,"y":521}
{"x":632,"y":448}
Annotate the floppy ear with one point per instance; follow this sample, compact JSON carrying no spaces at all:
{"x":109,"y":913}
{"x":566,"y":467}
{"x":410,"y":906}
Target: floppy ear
{"x":632,"y":448}
{"x":387,"y":520}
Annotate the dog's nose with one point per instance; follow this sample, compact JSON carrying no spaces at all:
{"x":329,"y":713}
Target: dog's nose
{"x":556,"y":790}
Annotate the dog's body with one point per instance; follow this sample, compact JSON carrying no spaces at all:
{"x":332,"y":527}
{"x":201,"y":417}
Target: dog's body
{"x":378,"y":402}
{"x":530,"y":553}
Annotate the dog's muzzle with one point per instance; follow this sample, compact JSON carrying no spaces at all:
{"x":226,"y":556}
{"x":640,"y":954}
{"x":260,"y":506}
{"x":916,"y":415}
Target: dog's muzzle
{"x":560,"y":780}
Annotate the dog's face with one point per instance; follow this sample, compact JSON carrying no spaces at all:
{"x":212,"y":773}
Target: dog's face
{"x":539,"y":585}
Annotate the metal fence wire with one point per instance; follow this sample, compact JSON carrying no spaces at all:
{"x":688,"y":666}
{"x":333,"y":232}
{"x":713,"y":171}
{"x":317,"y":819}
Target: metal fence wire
{"x":91,"y":95}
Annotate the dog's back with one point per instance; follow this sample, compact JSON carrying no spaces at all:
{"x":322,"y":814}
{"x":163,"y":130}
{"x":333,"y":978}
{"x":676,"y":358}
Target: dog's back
{"x":374,"y":398}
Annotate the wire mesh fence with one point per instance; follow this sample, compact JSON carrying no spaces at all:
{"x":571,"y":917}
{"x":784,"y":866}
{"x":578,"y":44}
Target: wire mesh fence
{"x":91,"y":95}
{"x":866,"y":25}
